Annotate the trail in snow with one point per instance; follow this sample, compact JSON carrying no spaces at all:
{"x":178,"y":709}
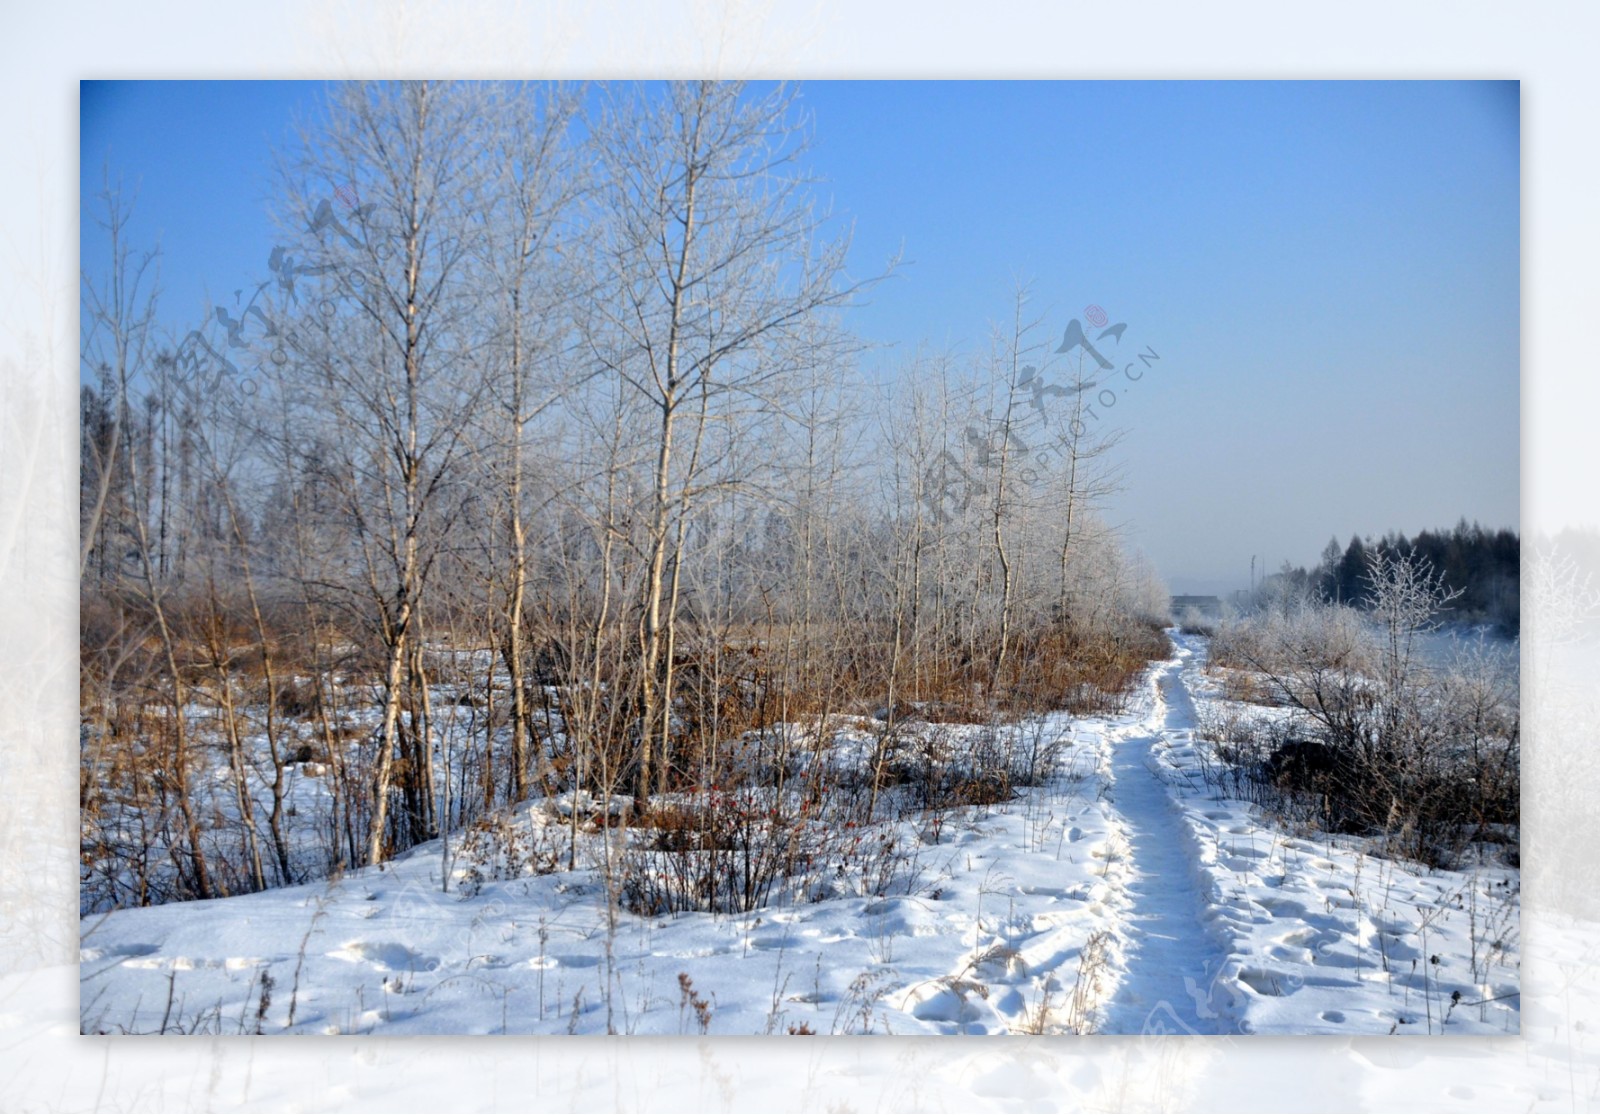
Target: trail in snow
{"x":1173,"y":962}
{"x":1215,"y":920}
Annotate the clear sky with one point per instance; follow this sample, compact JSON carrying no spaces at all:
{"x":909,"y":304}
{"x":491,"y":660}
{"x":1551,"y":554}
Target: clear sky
{"x":1329,"y":271}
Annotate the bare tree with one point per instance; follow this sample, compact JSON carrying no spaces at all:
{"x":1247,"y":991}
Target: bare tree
{"x":533,"y":279}
{"x":117,"y":343}
{"x":399,"y":370}
{"x":116,"y":349}
{"x":999,"y":453}
{"x":1407,"y":598}
{"x":711,"y":270}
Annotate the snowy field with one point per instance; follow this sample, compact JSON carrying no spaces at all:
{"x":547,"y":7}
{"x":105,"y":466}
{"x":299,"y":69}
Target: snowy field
{"x":1320,"y":935}
{"x":1122,"y":897}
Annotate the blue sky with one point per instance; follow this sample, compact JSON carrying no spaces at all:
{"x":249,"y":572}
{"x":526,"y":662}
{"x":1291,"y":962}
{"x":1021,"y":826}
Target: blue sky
{"x":1329,"y":271}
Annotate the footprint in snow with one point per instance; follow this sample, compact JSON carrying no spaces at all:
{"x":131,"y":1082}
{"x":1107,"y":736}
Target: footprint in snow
{"x":386,"y":956}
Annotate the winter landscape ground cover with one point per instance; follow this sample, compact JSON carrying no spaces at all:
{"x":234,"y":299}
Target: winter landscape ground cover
{"x":1124,"y":894}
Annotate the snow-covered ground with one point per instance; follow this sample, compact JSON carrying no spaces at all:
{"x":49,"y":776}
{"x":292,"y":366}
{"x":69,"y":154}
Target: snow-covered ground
{"x":986,"y":936}
{"x":1320,"y":935}
{"x":1121,"y":897}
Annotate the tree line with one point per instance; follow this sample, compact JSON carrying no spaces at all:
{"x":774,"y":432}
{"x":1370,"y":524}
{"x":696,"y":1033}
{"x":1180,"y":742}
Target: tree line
{"x":1483,"y":565}
{"x":1381,"y":739}
{"x":543,"y":465}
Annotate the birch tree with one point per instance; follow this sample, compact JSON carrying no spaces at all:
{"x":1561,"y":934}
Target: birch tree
{"x":393,"y":355}
{"x":532,"y":196}
{"x":711,"y":271}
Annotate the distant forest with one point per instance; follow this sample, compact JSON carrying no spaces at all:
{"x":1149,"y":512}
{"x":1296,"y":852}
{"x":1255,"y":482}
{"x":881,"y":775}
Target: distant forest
{"x":1484,"y":564}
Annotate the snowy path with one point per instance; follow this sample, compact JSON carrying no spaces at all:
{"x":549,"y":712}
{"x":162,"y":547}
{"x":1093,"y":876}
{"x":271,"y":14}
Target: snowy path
{"x":1172,"y":960}
{"x":1124,"y":896}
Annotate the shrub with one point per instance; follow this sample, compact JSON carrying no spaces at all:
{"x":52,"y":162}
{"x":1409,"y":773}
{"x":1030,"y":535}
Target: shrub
{"x":742,"y":850}
{"x":1378,"y":744}
{"x":300,"y":698}
{"x":498,"y":849}
{"x":727,"y":852}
